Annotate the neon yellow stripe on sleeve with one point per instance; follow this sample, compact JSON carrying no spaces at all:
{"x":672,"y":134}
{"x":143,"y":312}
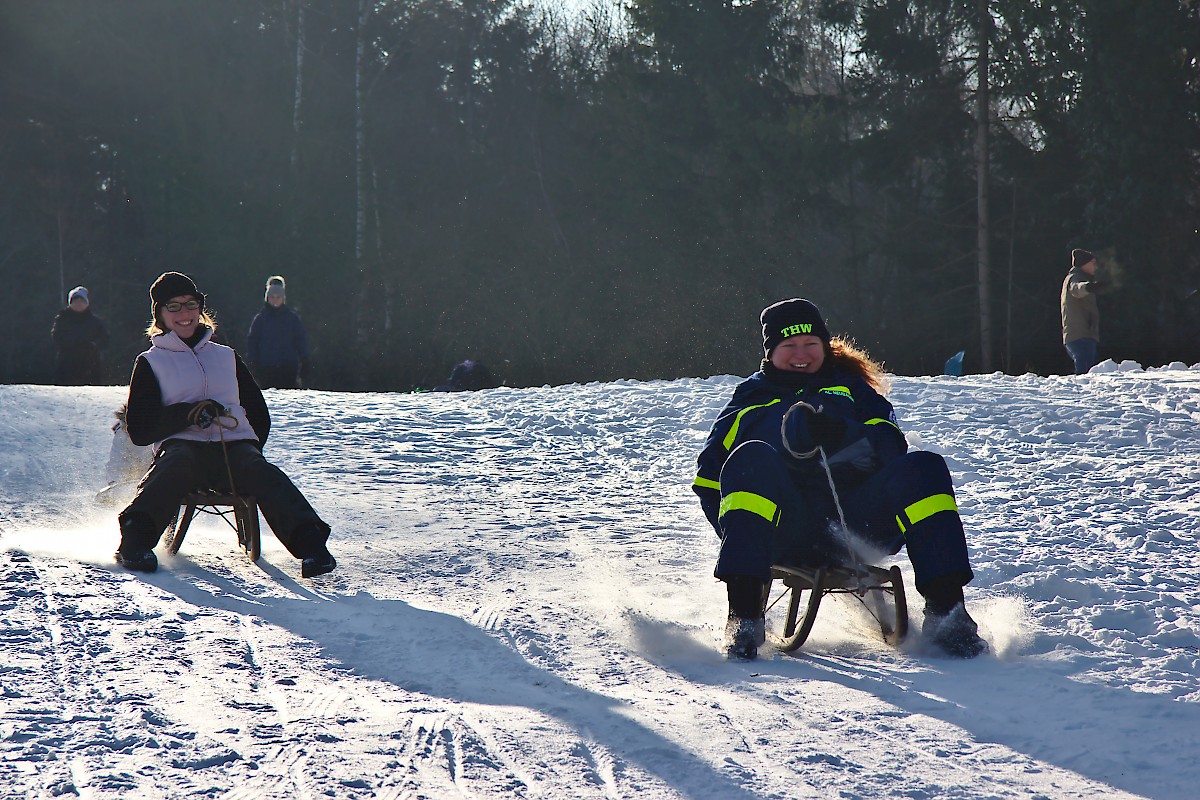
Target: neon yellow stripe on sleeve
{"x":731,"y":437}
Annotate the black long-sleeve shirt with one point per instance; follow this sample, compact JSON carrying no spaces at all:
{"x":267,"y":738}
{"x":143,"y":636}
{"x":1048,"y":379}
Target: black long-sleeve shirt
{"x":149,"y":421}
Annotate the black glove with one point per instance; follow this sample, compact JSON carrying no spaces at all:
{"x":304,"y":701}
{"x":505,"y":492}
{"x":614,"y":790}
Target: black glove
{"x":806,"y":428}
{"x":206,"y":412}
{"x":1098,"y":287}
{"x":827,"y":431}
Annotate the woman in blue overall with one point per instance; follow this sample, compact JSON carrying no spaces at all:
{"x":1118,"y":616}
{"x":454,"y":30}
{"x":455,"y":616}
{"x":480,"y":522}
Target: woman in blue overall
{"x":763,"y":486}
{"x":196,"y":402}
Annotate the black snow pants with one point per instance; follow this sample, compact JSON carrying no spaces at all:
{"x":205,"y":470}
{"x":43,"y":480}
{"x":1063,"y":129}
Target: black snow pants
{"x":183,"y":466}
{"x":767,"y":518}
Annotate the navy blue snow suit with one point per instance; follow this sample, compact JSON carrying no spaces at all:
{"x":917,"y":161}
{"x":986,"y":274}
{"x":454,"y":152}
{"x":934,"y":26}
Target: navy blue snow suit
{"x":277,"y":348}
{"x":770,"y":507}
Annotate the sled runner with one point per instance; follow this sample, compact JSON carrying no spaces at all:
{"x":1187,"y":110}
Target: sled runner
{"x":791,"y":614}
{"x":244,"y":511}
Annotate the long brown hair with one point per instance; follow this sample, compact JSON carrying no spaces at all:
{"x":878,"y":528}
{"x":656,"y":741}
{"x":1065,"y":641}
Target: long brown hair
{"x":847,"y":355}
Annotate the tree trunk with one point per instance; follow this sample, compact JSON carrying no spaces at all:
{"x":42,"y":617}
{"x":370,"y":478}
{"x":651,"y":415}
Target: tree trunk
{"x":363,"y":308}
{"x":298,"y":94}
{"x":360,"y":172}
{"x":981,"y":175}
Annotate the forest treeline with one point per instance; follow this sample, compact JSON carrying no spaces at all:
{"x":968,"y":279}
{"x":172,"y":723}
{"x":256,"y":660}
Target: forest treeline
{"x":608,"y":192}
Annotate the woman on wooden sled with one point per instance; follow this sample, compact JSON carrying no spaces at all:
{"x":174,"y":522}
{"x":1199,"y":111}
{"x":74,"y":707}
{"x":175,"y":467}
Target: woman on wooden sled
{"x":764,"y":488}
{"x":196,"y":402}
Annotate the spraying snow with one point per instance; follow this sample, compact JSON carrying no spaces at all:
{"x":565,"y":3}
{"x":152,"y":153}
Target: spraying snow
{"x":525,"y":607}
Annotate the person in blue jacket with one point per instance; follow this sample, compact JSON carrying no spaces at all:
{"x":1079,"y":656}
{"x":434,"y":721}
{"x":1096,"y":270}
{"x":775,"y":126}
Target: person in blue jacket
{"x":764,"y":489}
{"x":277,"y":346}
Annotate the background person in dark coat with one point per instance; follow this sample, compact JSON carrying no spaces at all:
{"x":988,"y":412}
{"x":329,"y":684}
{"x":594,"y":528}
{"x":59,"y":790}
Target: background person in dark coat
{"x":1081,"y":312}
{"x":468,"y":376}
{"x":277,"y":349}
{"x":79,"y":337}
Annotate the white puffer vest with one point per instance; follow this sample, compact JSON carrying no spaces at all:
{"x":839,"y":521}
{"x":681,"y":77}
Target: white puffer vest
{"x":207,"y":372}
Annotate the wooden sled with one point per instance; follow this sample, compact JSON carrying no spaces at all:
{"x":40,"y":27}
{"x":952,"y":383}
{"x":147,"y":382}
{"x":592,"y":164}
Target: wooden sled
{"x":791,"y":613}
{"x":243,"y":510}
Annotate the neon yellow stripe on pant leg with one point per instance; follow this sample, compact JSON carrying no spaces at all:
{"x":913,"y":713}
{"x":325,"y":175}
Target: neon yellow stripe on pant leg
{"x":923,"y":509}
{"x":748,"y":501}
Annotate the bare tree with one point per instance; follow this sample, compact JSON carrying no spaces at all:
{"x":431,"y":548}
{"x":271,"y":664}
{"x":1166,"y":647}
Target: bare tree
{"x":982,"y":121}
{"x":298,"y":94}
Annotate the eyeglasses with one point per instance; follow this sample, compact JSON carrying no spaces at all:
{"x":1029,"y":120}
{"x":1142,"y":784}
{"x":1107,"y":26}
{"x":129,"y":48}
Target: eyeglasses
{"x":174,"y":308}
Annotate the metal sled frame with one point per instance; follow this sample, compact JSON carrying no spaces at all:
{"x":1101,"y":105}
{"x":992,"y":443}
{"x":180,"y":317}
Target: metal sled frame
{"x":866,"y":582}
{"x":243,"y":510}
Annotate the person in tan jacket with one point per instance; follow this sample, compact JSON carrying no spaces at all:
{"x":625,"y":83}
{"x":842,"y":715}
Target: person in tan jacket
{"x":1080,"y":312}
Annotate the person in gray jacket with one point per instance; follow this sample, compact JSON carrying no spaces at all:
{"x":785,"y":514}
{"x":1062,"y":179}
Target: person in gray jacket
{"x":1080,"y":311}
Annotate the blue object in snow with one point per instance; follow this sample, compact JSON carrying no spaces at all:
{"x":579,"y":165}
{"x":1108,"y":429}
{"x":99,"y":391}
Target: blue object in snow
{"x":954,"y":364}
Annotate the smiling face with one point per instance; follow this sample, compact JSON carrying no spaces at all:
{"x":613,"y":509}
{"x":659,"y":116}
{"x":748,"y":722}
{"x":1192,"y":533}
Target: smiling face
{"x":182,"y":322}
{"x":803,"y":353}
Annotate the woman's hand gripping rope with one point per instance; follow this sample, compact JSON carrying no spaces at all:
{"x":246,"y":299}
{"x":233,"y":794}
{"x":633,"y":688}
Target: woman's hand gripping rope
{"x":204,"y":415}
{"x":208,"y":412}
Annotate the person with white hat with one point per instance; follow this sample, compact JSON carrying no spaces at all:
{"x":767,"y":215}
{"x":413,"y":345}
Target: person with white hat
{"x":277,"y":346}
{"x":79,"y":338}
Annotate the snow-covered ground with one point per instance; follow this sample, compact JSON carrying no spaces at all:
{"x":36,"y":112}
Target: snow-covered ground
{"x":525,"y":608}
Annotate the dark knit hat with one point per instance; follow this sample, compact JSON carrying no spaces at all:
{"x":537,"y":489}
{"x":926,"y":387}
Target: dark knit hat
{"x":1079,"y":257}
{"x":172,"y":284}
{"x":791,"y":318}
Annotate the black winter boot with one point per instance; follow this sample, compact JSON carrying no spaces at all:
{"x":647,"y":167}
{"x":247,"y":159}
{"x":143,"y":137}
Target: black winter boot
{"x":947,"y":623}
{"x":745,"y":628}
{"x":743,"y":637}
{"x":139,"y":561}
{"x":954,"y":632}
{"x":318,"y":565}
{"x":136,"y":551}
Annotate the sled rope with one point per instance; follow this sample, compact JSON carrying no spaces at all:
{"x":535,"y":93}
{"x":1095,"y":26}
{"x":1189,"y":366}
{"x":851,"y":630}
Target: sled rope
{"x":844,"y":535}
{"x":843,"y":531}
{"x":837,"y":501}
{"x":193,"y":417}
{"x":783,"y":434}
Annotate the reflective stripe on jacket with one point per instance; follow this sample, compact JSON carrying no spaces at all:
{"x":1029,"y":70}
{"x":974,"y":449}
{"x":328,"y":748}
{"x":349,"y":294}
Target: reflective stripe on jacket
{"x":756,"y":411}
